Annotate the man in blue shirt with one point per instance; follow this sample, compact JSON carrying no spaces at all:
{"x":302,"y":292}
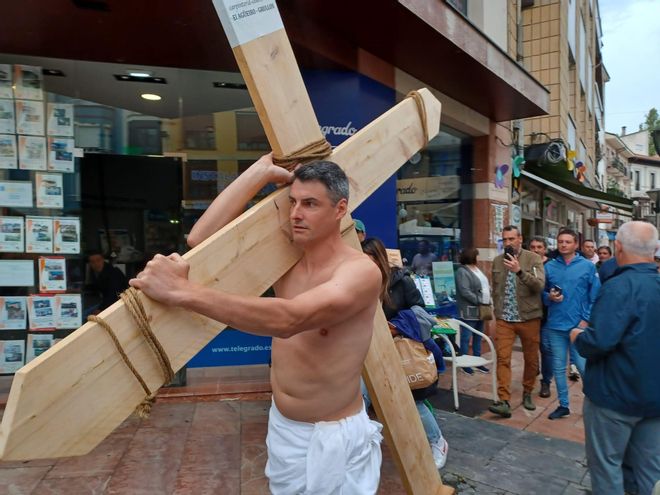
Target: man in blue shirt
{"x":571,"y":286}
{"x":621,"y":344}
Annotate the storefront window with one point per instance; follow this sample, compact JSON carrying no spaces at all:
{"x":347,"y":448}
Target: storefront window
{"x":87,"y":165}
{"x":428,"y":198}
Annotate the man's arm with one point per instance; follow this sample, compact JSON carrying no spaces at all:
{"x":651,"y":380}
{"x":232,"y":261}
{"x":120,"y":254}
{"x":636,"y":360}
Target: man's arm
{"x":535,"y":277}
{"x":592,"y":294}
{"x":353,"y":287}
{"x":231,"y":202}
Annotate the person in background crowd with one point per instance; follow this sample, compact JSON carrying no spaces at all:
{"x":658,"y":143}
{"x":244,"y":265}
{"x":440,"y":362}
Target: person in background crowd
{"x":621,"y":343}
{"x":571,"y":286}
{"x":472,"y":290}
{"x":518,"y":279}
{"x":108,"y":280}
{"x":589,"y":251}
{"x":360,"y":229}
{"x":538,"y":245}
{"x":607,"y":269}
{"x":422,"y":262}
{"x":402,"y":294}
{"x":604,"y":254}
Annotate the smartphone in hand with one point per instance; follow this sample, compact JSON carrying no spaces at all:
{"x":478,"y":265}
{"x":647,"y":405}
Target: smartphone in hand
{"x":510,"y":251}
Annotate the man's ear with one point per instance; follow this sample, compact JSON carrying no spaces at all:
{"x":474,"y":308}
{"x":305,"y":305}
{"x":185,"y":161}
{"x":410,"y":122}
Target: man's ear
{"x":617,"y":246}
{"x":342,"y":208}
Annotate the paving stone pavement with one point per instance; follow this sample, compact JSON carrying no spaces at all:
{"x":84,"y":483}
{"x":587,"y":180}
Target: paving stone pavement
{"x":487,"y":458}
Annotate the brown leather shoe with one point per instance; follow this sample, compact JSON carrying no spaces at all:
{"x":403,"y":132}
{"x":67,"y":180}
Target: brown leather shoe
{"x":545,"y":390}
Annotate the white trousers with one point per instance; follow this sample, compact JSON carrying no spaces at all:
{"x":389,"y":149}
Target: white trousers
{"x":325,"y":458}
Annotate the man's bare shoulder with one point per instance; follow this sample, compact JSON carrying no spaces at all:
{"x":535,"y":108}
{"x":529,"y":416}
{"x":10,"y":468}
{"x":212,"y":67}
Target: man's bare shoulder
{"x":357,"y":265}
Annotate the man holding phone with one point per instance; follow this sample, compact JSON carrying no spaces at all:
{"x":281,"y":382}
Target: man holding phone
{"x":571,"y":287}
{"x":518,"y":280}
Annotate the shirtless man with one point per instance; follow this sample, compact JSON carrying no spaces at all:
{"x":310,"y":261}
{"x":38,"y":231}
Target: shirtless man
{"x":320,"y":439}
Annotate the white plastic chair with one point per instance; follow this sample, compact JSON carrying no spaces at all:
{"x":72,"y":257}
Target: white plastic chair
{"x":467,"y":361}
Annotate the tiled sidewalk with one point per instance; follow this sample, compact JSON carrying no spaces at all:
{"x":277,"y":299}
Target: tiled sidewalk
{"x":201,"y":439}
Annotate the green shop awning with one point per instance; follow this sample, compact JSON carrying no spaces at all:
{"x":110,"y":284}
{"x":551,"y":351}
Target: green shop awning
{"x":561,"y":180}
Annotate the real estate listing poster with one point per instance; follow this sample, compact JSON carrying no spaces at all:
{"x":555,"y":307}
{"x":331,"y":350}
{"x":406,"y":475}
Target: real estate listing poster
{"x":16,"y":193}
{"x":38,"y":234}
{"x":28,"y":82}
{"x":37,"y":344}
{"x":30,"y":117}
{"x":52,"y":274}
{"x":60,"y":119}
{"x":41,"y":312}
{"x":12,"y":355}
{"x":12,"y":235}
{"x":67,"y":235}
{"x":16,"y":273}
{"x":7,"y":117}
{"x":68,"y":311}
{"x":32,"y":153}
{"x":49,"y":191}
{"x":5,"y":81}
{"x":13,"y":313}
{"x":60,"y":154}
{"x":8,"y":151}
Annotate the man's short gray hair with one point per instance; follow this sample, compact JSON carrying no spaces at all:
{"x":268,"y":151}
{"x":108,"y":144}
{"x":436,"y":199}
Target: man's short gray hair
{"x":640,"y":238}
{"x":327,"y":173}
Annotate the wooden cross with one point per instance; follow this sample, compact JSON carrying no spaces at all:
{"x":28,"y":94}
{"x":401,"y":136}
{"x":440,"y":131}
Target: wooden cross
{"x":67,"y":400}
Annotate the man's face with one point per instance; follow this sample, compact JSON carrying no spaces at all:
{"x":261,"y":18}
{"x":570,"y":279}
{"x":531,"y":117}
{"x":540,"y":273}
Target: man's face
{"x":312,"y":214}
{"x":512,"y":238}
{"x":588,"y":248}
{"x":96,"y":263}
{"x":423,"y":247}
{"x":604,"y":255}
{"x":537,"y":247}
{"x":566,"y":244}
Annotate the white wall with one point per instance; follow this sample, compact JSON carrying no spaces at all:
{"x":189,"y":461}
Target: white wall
{"x":491,"y":17}
{"x":638,"y":142}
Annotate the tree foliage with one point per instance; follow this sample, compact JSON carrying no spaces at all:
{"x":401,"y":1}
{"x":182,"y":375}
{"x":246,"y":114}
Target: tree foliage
{"x":651,"y":122}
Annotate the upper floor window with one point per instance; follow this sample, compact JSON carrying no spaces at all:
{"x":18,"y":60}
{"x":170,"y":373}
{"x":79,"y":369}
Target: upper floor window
{"x":636,"y":180}
{"x":460,"y":5}
{"x":652,"y":180}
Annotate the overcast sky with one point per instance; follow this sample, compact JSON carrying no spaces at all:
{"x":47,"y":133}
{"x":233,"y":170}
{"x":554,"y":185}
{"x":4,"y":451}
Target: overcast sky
{"x":631,"y":53}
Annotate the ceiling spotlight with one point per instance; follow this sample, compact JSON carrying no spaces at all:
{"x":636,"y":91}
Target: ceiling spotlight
{"x":139,"y":73}
{"x":150,"y":96}
{"x":53,"y":72}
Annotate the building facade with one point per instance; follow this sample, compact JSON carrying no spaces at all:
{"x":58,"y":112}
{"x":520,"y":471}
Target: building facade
{"x":563,"y":182}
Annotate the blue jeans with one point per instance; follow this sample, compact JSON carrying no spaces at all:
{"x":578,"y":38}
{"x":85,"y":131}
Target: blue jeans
{"x":476,"y":339}
{"x":431,"y":428}
{"x":622,"y":451}
{"x":546,"y":356}
{"x":560,"y":344}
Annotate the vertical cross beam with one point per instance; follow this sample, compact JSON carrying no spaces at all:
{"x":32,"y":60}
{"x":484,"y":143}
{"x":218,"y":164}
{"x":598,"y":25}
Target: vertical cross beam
{"x":267,"y":63}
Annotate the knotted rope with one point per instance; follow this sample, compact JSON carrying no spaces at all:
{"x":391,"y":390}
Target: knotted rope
{"x":136,"y":309}
{"x":322,"y":148}
{"x":421,"y":109}
{"x":313,"y":151}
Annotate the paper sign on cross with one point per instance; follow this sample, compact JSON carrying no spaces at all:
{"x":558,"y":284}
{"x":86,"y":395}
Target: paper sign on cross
{"x":70,"y":398}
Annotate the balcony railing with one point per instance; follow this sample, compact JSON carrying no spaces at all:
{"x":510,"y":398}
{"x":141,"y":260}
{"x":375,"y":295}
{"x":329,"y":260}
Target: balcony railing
{"x":620,"y":166}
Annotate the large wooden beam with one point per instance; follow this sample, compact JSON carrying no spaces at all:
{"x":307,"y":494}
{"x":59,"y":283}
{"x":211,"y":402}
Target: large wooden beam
{"x":70,"y":398}
{"x":75,"y":394}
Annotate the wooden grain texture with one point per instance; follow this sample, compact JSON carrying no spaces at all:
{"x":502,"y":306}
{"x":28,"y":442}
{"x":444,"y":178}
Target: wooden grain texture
{"x":68,"y":399}
{"x":278,"y":92}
